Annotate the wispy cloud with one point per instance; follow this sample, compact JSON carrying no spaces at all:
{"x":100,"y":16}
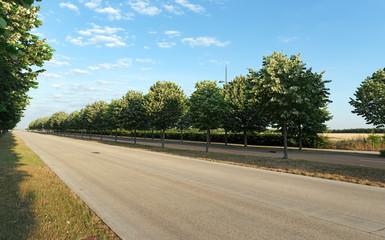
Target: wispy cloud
{"x":193,"y":7}
{"x":204,"y":42}
{"x":46,"y":75}
{"x":58,"y":86}
{"x":172,"y":33}
{"x":102,"y":82}
{"x":57,"y":63}
{"x":77,"y":72}
{"x":145,"y":60}
{"x":97,"y":35}
{"x":143,"y":7}
{"x":173,"y":9}
{"x":120,"y":63}
{"x":69,"y":6}
{"x":166,"y":44}
{"x":93,"y":3}
{"x":146,"y":69}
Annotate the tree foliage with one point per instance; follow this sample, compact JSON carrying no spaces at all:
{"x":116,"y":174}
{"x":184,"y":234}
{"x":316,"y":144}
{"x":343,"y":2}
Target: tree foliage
{"x":245,"y":114}
{"x":289,"y":93}
{"x":165,"y":103}
{"x":134,"y":115}
{"x":208,"y":107}
{"x":369,"y":101}
{"x":19,"y":52}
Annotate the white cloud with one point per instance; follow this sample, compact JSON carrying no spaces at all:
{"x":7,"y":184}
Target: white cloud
{"x":93,"y":4}
{"x":146,"y":69}
{"x":120,"y":63}
{"x":219,"y":62}
{"x":145,"y":60}
{"x":146,"y":47}
{"x":46,"y":75}
{"x":78,"y":87}
{"x":166,"y":44}
{"x":173,"y":9}
{"x":102,"y":82}
{"x":171,"y":33}
{"x":193,"y":7}
{"x":98,"y":36}
{"x":69,"y":6}
{"x":58,"y":86}
{"x":143,"y":7}
{"x":77,"y":72}
{"x":204,"y":42}
{"x":57,"y":63}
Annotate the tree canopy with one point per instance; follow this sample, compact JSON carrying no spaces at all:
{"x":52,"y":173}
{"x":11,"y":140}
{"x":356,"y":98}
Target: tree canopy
{"x":369,"y":101}
{"x":19,"y":52}
{"x":208,"y":107}
{"x":288,"y":92}
{"x":165,"y":104}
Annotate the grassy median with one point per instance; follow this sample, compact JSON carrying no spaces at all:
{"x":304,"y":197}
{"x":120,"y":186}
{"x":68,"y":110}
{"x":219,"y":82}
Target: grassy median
{"x":36,"y":204}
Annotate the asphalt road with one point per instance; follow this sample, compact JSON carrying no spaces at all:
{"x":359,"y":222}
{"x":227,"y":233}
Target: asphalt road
{"x":355,"y":158}
{"x":147,"y":195}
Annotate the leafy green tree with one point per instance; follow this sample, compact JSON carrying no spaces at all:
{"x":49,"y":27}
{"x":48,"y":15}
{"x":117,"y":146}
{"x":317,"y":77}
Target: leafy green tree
{"x":19,"y":52}
{"x":165,"y":103}
{"x":245,"y":115}
{"x":72,"y":122}
{"x":288,"y":91}
{"x":57,"y":121}
{"x":113,"y":116}
{"x":92,"y":116}
{"x":183,"y":123}
{"x":208,"y":107}
{"x":133,"y":113}
{"x":369,"y":101}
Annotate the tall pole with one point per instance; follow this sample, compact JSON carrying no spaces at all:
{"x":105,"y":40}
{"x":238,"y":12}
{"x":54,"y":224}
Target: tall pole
{"x":225,"y":74}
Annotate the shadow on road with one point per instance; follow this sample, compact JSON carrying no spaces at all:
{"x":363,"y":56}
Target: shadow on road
{"x":16,"y":216}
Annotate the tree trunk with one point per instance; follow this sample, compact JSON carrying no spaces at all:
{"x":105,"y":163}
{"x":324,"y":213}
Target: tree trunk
{"x":300,"y":138}
{"x":90,"y":134}
{"x":245,"y":138}
{"x":181,"y":135}
{"x":134,"y":136}
{"x":284,"y":129}
{"x":207,"y":139}
{"x":116,"y":135}
{"x":152,"y":134}
{"x":163,"y":138}
{"x":225,"y":136}
{"x":101,"y":135}
{"x":82,"y":133}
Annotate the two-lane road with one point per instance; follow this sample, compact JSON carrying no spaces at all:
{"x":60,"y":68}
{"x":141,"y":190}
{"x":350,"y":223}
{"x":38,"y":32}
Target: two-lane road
{"x":146,"y":195}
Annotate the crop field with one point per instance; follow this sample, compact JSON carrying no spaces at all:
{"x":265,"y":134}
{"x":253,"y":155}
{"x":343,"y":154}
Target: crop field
{"x":349,"y":136}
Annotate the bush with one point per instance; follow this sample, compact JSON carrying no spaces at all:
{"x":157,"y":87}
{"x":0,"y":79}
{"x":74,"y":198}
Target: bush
{"x":382,"y":153}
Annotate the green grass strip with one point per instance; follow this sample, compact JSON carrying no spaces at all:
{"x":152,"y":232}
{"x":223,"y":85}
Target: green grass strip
{"x":36,"y":204}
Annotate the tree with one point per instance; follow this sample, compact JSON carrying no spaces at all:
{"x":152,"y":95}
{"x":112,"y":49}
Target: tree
{"x":133,"y":113}
{"x":19,"y":52}
{"x":208,"y":107}
{"x":56,"y":121}
{"x":92,"y":116}
{"x":369,"y":99}
{"x":113,"y":116}
{"x":165,"y":103}
{"x":245,"y":114}
{"x":288,"y":91}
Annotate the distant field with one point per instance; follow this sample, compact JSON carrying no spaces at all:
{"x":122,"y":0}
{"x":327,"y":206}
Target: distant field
{"x":349,"y":136}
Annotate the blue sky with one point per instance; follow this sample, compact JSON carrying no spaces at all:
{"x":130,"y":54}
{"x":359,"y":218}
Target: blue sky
{"x":105,"y":48}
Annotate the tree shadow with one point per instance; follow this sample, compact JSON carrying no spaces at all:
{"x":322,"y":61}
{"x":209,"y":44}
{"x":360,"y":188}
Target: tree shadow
{"x":16,"y":214}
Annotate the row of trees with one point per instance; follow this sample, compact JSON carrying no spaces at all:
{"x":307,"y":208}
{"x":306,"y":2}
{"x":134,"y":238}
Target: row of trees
{"x":19,"y":51}
{"x":283,"y":94}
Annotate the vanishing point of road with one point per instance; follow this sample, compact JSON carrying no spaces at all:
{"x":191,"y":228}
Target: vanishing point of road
{"x":147,"y":195}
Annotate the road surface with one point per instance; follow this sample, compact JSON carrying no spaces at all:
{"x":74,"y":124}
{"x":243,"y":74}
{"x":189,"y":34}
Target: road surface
{"x":347,"y":157}
{"x":147,"y":195}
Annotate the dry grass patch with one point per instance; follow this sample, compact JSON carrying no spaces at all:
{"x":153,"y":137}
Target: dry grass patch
{"x":36,"y":204}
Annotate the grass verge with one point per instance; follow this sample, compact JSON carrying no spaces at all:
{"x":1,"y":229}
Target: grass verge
{"x":36,"y":204}
{"x":333,"y":171}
